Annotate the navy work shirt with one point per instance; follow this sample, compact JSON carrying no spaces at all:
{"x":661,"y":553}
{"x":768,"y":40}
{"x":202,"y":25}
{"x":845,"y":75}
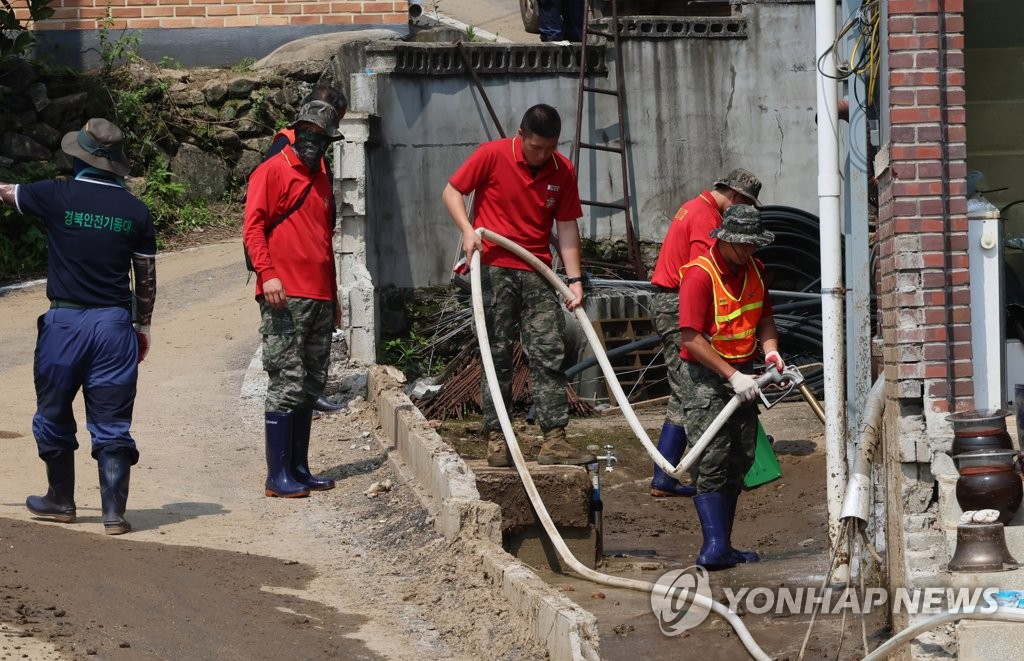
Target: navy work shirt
{"x":93,"y":226}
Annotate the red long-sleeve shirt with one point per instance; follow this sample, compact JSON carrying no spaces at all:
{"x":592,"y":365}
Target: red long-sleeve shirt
{"x":299,"y":251}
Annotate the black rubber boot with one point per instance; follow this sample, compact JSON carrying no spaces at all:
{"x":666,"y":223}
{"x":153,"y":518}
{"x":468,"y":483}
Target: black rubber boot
{"x":280,"y":481}
{"x":59,"y":502}
{"x":115,"y":468}
{"x":715,"y":553}
{"x":730,"y":514}
{"x":671,"y":445}
{"x":325,"y":405}
{"x":301,"y":422}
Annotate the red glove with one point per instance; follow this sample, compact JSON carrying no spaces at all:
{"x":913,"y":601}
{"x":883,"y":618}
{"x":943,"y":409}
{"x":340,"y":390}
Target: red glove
{"x":773,"y":359}
{"x":143,"y":335}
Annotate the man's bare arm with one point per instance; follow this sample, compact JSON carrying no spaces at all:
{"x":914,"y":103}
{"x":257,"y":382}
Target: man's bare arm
{"x":7,"y":194}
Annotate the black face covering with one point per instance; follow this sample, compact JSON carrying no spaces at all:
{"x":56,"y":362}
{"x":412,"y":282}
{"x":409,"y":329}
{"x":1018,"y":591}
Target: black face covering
{"x":310,"y":146}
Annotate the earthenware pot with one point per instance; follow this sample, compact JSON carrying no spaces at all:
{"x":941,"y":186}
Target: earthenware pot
{"x":979,"y":430}
{"x":988,"y":481}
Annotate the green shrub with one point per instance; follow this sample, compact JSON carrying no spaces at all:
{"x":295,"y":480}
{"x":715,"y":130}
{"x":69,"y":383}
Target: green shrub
{"x":15,"y":37}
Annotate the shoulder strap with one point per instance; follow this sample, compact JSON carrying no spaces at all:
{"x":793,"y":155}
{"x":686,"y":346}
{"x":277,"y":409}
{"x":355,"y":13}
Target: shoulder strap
{"x":272,"y":225}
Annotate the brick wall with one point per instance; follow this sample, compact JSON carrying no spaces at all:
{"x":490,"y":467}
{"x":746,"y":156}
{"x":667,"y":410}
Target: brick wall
{"x":922,"y":227}
{"x":153,"y":14}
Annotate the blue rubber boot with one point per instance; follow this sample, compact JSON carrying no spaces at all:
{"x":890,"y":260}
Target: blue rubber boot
{"x":671,"y":445}
{"x":730,"y":511}
{"x":115,"y":469}
{"x":715,"y":553}
{"x":280,"y":481}
{"x":59,"y":502}
{"x":301,"y":422}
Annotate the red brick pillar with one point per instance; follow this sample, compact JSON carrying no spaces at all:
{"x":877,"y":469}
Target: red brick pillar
{"x":923,"y":289}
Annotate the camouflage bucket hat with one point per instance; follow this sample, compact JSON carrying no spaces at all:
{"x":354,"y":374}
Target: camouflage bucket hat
{"x":741,"y":223}
{"x":321,"y":114}
{"x":743,"y":182}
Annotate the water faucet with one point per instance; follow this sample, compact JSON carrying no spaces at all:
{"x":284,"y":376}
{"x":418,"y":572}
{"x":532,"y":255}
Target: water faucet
{"x":607,"y":457}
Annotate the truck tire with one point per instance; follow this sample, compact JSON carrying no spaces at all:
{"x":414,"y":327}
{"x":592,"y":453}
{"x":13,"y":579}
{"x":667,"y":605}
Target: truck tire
{"x":530,"y":13}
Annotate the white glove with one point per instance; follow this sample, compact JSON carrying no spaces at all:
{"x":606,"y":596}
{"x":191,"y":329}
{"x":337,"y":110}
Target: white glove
{"x":744,"y":386}
{"x":773,"y":359}
{"x":145,"y":338}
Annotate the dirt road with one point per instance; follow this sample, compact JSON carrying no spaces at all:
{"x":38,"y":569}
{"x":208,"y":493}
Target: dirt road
{"x":499,"y":17}
{"x":214,"y":570}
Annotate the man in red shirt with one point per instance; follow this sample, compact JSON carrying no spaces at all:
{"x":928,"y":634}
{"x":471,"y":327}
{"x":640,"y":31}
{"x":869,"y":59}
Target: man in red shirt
{"x":523,"y":187}
{"x":724,"y":310}
{"x":688,"y":236}
{"x":286,"y":136}
{"x":290,"y":194}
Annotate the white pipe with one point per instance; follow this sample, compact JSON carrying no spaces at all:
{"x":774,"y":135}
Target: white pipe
{"x":857,"y":503}
{"x":531,"y":489}
{"x":1000,"y":614}
{"x":832,"y":294}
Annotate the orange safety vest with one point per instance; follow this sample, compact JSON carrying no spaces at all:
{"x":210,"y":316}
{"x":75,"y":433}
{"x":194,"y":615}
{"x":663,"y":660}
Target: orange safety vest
{"x":736,"y":318}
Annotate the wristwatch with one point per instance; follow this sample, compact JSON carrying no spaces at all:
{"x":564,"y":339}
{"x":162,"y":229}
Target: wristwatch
{"x":570,"y":281}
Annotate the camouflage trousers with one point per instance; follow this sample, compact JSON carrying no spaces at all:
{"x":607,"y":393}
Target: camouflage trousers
{"x":730,"y":454}
{"x":517,"y":301}
{"x":665,"y":317}
{"x":296,"y":352}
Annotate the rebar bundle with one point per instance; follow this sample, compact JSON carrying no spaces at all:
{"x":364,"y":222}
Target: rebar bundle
{"x":460,"y":395}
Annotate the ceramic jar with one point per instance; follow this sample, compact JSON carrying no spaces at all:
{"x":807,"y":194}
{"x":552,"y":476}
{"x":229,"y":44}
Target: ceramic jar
{"x":988,"y":480}
{"x":980,"y":430}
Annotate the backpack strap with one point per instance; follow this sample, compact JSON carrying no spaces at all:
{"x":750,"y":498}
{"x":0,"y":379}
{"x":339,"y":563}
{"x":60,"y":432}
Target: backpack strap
{"x":272,"y":225}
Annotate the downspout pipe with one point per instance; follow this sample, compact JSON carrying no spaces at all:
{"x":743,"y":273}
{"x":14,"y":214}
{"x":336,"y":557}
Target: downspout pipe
{"x":832,"y":289}
{"x":857,"y":502}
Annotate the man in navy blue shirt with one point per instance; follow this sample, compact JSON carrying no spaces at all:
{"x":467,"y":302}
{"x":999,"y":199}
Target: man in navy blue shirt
{"x":98,"y":236}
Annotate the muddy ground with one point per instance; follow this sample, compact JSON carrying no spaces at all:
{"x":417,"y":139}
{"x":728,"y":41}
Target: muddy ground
{"x":645,"y":537}
{"x":214,"y":569}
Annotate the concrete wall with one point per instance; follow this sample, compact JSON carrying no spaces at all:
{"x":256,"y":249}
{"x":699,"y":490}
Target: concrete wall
{"x":696,"y":107}
{"x":189,"y":47}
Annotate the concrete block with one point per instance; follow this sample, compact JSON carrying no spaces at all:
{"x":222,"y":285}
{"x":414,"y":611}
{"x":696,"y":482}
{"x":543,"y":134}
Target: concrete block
{"x":355,"y":126}
{"x":908,"y":447}
{"x":352,"y":197}
{"x":364,"y":92}
{"x":569,"y":632}
{"x":990,"y":640}
{"x":362,"y":346}
{"x":359,"y":302}
{"x":926,"y":541}
{"x":460,"y":517}
{"x":351,"y":235}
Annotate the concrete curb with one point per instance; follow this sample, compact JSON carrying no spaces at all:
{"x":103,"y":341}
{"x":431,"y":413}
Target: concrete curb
{"x":448,"y":490}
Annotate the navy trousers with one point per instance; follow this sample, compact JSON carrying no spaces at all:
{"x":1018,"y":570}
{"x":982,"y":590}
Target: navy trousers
{"x":561,"y":20}
{"x":96,"y":351}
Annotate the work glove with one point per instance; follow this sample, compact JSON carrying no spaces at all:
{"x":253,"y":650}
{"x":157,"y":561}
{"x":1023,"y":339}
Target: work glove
{"x":143,"y":333}
{"x":744,"y":386}
{"x":773,"y":359}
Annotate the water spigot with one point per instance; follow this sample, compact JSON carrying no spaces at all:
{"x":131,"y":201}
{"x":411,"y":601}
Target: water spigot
{"x":607,"y":457}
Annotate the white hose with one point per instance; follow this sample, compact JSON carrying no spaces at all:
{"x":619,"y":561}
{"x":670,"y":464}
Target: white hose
{"x":520,"y":463}
{"x":612,"y":381}
{"x":595,"y":343}
{"x":1000,"y":614}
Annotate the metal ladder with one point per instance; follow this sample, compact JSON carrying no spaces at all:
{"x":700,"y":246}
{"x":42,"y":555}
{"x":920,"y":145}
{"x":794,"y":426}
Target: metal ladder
{"x":593,"y":29}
